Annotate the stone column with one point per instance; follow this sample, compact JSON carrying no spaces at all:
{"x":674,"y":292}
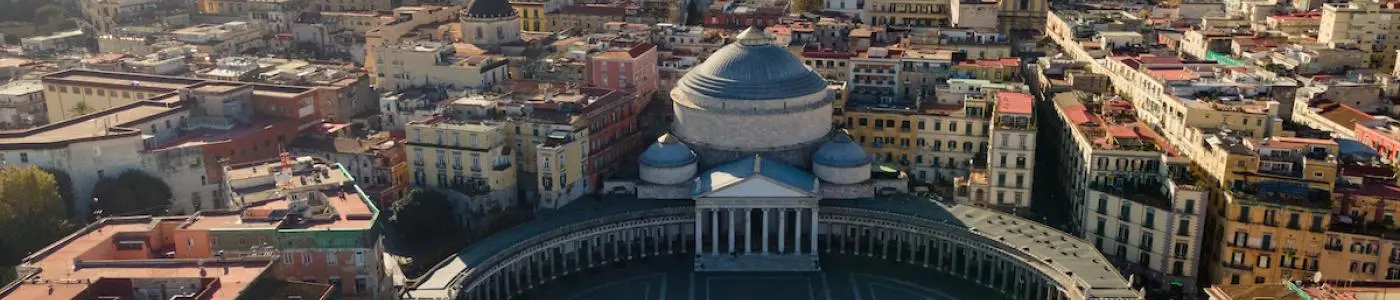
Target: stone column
{"x":812,"y":245}
{"x":699,"y":218}
{"x":765,"y":231}
{"x":732,"y":213}
{"x":748,"y":231}
{"x":924,"y":244}
{"x":782,"y":229}
{"x":797,"y":231}
{"x":714,"y":231}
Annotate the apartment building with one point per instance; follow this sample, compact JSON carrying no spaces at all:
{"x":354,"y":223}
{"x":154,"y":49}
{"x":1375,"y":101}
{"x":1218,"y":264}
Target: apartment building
{"x":974,"y":43}
{"x":118,"y":260}
{"x":874,"y":75}
{"x":1361,"y":243}
{"x":482,"y":162}
{"x":1276,"y":206}
{"x":910,"y":13}
{"x":586,"y":18}
{"x":1383,"y":136}
{"x":309,"y":213}
{"x":108,"y":15}
{"x":278,"y":15}
{"x":1011,"y":155}
{"x":628,"y":67}
{"x":1362,"y":24}
{"x":924,"y":71}
{"x":227,"y":39}
{"x":1133,"y":194}
{"x":425,"y":63}
{"x":22,"y":104}
{"x":203,"y":125}
{"x":378,"y":160}
{"x":1180,"y":96}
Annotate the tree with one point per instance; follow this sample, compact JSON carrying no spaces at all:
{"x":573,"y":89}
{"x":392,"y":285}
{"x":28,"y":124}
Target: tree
{"x":79,"y":109}
{"x":50,"y":16}
{"x":425,"y":214}
{"x":132,"y":193}
{"x":693,"y":14}
{"x":32,"y":214}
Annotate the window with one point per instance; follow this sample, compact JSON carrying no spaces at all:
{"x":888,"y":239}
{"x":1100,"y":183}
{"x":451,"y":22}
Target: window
{"x":1263,"y":261}
{"x":23,"y":157}
{"x":1180,"y":250}
{"x":287,"y":258}
{"x":306,"y":258}
{"x":1183,"y":227}
{"x":1149,"y":218}
{"x":1146,"y":242}
{"x":331,"y":258}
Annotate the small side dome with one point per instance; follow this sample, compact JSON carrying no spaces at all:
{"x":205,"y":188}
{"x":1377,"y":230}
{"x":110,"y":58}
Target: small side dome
{"x":667,"y":152}
{"x":841,"y":161}
{"x":841,"y":151}
{"x":667,"y":162}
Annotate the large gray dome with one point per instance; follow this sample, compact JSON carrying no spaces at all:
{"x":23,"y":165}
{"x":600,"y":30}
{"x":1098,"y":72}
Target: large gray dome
{"x":753,"y":68}
{"x":487,"y":9}
{"x":667,"y":152}
{"x":841,"y":151}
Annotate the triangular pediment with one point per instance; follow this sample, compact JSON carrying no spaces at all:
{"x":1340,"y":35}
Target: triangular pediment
{"x":756,"y":187}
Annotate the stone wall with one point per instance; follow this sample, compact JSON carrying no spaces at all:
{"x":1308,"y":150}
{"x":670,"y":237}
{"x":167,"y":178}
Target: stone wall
{"x":848,"y":191}
{"x":654,"y":191}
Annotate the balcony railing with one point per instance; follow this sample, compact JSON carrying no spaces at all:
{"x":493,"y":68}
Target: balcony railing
{"x":1237,"y":266}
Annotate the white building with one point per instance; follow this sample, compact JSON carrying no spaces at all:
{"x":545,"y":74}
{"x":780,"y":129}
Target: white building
{"x":423,"y":63}
{"x":22,"y":104}
{"x":59,"y":41}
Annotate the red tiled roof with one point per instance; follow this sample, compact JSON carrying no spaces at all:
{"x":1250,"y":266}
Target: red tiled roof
{"x":1079,"y":116}
{"x":1014,"y":103}
{"x":1343,"y":114}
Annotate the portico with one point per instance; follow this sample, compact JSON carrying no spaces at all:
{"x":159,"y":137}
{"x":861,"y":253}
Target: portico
{"x":755,"y":215}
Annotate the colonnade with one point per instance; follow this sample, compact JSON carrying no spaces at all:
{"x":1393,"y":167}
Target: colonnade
{"x":982,"y":265}
{"x":947,"y":251}
{"x":722,"y":233}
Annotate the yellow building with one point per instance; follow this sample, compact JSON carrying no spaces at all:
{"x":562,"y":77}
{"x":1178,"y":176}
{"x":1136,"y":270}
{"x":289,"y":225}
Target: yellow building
{"x":1365,"y":244}
{"x":468,"y":156}
{"x":916,"y":13}
{"x":71,"y":94}
{"x":885,"y":131}
{"x":1276,"y":208}
{"x":995,"y":70}
{"x":559,"y":169}
{"x":532,"y":15}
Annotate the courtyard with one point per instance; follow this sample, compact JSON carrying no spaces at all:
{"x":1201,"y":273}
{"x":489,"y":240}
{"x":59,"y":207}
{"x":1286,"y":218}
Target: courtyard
{"x":843,"y":278}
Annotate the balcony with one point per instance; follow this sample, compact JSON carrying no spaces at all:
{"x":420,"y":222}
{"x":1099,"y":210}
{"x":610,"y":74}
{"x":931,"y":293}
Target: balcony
{"x":1238,"y":266}
{"x":1332,"y":247}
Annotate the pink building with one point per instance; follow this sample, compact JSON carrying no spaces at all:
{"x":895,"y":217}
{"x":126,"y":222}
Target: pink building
{"x":1382,"y":136}
{"x":626,"y":68}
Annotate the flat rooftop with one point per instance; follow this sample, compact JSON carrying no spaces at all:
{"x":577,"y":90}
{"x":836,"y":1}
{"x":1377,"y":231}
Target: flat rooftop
{"x":265,"y":201}
{"x":73,"y":265}
{"x":108,"y":123}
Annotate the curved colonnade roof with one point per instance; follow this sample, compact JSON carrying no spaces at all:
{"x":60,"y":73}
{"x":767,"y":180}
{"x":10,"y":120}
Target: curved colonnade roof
{"x":1064,"y":252}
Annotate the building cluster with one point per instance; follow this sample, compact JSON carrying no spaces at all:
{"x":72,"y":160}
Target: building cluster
{"x":1244,"y":148}
{"x":302,"y":228}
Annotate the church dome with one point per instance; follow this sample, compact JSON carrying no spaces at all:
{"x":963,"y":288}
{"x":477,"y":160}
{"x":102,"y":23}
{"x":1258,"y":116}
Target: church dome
{"x":486,"y":9}
{"x":841,"y":151}
{"x":841,"y":161}
{"x":752,"y":69}
{"x":667,"y":152}
{"x":667,"y":162}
